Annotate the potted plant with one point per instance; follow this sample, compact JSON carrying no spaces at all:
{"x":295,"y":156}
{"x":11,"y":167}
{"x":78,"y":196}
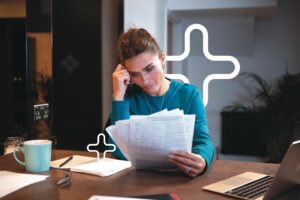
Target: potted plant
{"x":278,"y":111}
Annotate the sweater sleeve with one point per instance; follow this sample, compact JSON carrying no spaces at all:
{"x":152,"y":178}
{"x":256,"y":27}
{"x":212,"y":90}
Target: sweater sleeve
{"x":119,"y":110}
{"x":202,"y":143}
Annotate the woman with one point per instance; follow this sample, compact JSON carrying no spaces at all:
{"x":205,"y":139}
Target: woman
{"x":140,"y":88}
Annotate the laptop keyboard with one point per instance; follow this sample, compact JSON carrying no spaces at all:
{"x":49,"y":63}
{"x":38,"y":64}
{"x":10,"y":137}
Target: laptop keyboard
{"x":252,"y":190}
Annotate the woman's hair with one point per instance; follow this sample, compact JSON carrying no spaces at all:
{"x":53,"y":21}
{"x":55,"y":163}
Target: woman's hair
{"x":134,"y":42}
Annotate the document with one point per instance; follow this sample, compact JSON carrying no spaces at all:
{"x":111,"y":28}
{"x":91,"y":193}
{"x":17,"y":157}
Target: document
{"x":91,"y":165}
{"x":146,"y":140}
{"x":11,"y":182}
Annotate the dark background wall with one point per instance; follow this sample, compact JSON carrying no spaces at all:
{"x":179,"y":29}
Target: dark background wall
{"x":76,"y":72}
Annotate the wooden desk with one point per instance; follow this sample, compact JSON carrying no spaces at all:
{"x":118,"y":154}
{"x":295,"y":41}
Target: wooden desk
{"x":130,"y":182}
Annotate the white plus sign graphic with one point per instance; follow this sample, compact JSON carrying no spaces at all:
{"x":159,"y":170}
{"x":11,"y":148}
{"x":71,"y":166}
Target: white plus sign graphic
{"x":97,"y":144}
{"x":211,"y":57}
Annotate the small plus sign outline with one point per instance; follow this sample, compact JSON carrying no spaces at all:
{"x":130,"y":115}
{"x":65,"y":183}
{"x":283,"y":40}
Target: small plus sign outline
{"x":70,"y":63}
{"x":98,"y":142}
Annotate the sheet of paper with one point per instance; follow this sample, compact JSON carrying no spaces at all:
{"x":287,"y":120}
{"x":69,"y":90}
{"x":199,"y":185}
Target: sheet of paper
{"x":189,"y":125}
{"x":121,"y":136}
{"x":11,"y":182}
{"x":153,"y":138}
{"x":148,"y":139}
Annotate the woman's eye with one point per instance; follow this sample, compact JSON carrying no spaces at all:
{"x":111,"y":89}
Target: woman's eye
{"x":149,"y":69}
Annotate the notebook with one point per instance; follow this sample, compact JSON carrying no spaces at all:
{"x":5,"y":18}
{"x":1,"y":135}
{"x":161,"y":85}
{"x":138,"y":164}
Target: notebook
{"x":251,"y":185}
{"x":91,"y":165}
{"x":166,"y":196}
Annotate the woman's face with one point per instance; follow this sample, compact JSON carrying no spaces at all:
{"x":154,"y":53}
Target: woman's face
{"x":146,"y":70}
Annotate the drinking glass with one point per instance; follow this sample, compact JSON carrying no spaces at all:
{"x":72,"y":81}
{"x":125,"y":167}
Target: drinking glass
{"x":11,"y":143}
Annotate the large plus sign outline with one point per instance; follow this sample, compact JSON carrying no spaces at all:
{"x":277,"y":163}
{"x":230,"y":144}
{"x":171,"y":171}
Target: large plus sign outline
{"x":98,"y":142}
{"x":211,"y":57}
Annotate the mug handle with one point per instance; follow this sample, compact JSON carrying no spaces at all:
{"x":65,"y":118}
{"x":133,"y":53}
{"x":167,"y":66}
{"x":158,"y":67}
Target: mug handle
{"x":16,"y":157}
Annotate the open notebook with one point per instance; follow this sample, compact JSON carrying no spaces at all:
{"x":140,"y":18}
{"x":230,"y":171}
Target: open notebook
{"x":91,"y":165}
{"x":251,"y":185}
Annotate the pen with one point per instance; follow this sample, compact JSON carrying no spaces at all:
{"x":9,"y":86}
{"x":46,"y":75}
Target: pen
{"x":66,"y":161}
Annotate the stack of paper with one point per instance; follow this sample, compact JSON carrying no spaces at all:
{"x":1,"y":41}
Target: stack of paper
{"x":90,"y":165}
{"x":146,"y":140}
{"x":11,"y":182}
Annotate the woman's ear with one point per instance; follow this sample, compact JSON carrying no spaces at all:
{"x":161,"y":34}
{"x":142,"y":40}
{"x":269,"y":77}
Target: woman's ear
{"x":162,"y":58}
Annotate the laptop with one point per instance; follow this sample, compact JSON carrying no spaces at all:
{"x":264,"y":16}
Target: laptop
{"x":250,"y":185}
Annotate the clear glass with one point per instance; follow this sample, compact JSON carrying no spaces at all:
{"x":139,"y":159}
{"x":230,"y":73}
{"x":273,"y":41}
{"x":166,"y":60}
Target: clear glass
{"x":54,"y":140}
{"x":11,"y":143}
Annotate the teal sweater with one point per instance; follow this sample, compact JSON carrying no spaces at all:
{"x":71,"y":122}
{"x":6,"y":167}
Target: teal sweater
{"x":183,"y":96}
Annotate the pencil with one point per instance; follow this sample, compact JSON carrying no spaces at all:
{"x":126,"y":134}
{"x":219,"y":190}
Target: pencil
{"x":66,"y":161}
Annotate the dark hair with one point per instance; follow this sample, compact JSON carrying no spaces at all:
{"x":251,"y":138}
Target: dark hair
{"x":134,"y":42}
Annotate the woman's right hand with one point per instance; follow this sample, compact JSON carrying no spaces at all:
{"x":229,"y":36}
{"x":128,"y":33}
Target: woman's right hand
{"x":121,"y":79}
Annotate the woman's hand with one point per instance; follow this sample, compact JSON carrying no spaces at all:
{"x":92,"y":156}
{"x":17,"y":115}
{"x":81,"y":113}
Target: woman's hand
{"x":190,"y":163}
{"x":121,"y":79}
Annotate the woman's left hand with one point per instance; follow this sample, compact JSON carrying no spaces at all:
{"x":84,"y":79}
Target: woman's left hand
{"x":190,"y":163}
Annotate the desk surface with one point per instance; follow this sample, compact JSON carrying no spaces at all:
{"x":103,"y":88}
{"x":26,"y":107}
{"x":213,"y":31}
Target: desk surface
{"x":130,"y":182}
